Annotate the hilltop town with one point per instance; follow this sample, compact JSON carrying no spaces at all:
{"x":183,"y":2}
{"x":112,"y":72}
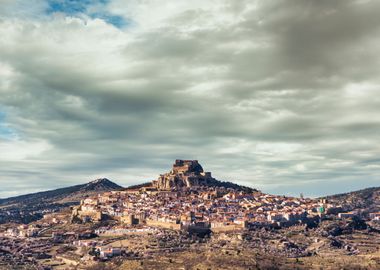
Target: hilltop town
{"x":188,"y":197}
{"x":186,"y":212}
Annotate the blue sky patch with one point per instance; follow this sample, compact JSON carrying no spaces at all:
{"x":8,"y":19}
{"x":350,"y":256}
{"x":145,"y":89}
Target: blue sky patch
{"x":77,"y":7}
{"x":115,"y":20}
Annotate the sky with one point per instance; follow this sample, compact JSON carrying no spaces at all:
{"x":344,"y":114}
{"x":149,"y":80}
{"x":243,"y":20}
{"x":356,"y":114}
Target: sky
{"x":280,"y":95}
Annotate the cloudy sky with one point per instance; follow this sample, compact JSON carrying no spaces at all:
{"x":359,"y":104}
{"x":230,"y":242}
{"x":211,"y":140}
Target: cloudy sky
{"x":279,"y":95}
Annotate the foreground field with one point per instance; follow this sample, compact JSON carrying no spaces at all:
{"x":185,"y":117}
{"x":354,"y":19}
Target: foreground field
{"x":205,"y":260}
{"x":233,"y":252}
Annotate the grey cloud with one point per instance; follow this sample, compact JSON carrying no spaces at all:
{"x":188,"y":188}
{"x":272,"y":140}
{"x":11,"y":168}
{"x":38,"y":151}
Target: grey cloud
{"x":263,"y":99}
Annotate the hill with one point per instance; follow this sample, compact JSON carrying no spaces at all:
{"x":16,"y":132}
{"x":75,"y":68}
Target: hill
{"x":29,"y":207}
{"x":73,"y":193}
{"x":368,"y":199}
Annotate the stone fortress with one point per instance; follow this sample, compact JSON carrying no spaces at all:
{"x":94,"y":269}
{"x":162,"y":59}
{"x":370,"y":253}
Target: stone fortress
{"x":185,"y":173}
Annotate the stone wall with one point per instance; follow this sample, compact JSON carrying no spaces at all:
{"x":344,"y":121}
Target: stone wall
{"x":166,"y":225}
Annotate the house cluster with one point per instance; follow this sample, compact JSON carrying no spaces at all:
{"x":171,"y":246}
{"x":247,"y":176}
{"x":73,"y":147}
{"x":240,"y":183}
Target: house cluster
{"x":217,"y":208}
{"x":188,"y":197}
{"x":102,"y":251}
{"x":108,"y":251}
{"x":21,"y":231}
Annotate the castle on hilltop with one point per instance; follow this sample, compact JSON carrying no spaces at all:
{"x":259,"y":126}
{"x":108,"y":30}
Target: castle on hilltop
{"x":185,"y":173}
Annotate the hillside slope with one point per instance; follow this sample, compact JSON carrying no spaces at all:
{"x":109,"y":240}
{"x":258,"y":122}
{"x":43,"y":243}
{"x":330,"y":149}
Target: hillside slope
{"x":72,"y":193}
{"x":30,"y":207}
{"x":368,"y":199}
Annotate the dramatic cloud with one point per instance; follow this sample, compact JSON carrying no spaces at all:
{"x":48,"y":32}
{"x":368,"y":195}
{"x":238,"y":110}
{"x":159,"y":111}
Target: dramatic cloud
{"x":279,"y":95}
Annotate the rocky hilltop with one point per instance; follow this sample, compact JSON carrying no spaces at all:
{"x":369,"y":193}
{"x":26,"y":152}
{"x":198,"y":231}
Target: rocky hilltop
{"x":189,"y":173}
{"x":185,"y":173}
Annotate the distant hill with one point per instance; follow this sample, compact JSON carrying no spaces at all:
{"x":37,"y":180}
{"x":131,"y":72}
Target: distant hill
{"x":30,"y":207}
{"x":73,"y":193}
{"x":368,"y":198}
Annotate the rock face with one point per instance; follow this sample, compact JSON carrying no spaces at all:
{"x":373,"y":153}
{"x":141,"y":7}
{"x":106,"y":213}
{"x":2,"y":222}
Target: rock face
{"x":185,"y":173}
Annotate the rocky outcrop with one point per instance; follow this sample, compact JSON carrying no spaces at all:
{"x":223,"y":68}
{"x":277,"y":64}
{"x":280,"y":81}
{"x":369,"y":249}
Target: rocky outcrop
{"x":189,"y":173}
{"x":184,"y":173}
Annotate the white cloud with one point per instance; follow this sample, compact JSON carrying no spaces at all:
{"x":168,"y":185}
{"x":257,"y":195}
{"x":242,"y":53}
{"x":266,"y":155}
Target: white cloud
{"x":17,"y":150}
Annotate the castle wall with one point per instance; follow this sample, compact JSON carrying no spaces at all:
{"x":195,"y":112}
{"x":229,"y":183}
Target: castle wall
{"x":220,"y":227}
{"x":94,"y":215}
{"x":166,"y":225}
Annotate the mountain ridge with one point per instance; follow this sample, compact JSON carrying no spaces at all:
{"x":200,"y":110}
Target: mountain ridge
{"x":101,"y":184}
